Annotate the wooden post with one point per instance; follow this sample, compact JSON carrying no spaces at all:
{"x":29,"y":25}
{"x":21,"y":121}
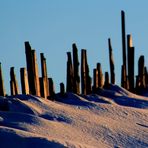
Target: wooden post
{"x":111,"y":61}
{"x":123,"y":77}
{"x":141,"y":71}
{"x":69,"y":73}
{"x":13,"y":82}
{"x":2,"y":88}
{"x":24,"y":81}
{"x":124,"y":46}
{"x":35,"y":74}
{"x":100,"y":76}
{"x":29,"y":64}
{"x":106,"y":84}
{"x":131,"y":52}
{"x":44,"y":75}
{"x":76,"y":70}
{"x":146,"y":77}
{"x":95,"y":78}
{"x":62,"y":89}
{"x":43,"y":91}
{"x":51,"y":88}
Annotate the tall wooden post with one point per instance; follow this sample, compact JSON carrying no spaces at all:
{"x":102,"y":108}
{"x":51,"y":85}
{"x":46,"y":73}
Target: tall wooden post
{"x":130,"y":53}
{"x":124,"y":46}
{"x":2,"y":88}
{"x":111,"y":61}
{"x":76,"y":81}
{"x":69,"y":87}
{"x":141,"y":71}
{"x":24,"y":81}
{"x":45,"y":88}
{"x":35,"y":74}
{"x":100,"y":76}
{"x":13,"y":82}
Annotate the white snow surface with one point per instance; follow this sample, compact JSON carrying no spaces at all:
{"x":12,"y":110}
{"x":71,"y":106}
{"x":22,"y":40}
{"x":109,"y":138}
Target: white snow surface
{"x":112,"y":118}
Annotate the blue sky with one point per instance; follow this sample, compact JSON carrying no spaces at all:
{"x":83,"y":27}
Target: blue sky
{"x":51,"y":26}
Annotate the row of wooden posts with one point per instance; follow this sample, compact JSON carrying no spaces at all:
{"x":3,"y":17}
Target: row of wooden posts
{"x":43,"y":86}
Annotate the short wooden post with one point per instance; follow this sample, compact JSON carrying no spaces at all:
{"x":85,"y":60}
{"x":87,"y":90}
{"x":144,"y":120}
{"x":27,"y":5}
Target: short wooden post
{"x":24,"y":81}
{"x":51,"y":88}
{"x":111,"y":61}
{"x":69,"y":87}
{"x":43,"y":91}
{"x":131,"y":53}
{"x":100,"y":76}
{"x":146,"y":77}
{"x":95,"y":78}
{"x":44,"y":75}
{"x":2,"y":88}
{"x":141,"y":71}
{"x":106,"y":83}
{"x":62,"y":89}
{"x":123,"y":77}
{"x":13,"y":82}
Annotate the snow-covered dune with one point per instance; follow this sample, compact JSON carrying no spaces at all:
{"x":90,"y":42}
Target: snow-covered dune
{"x":109,"y":119}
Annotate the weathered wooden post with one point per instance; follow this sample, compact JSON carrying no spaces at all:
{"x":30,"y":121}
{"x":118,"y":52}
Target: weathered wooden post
{"x":69,"y":87}
{"x":100,"y":76}
{"x":106,"y":83}
{"x":85,"y":78}
{"x":130,"y":53}
{"x":95,"y":78}
{"x":43,"y":91}
{"x":24,"y":81}
{"x":111,"y":61}
{"x":13,"y":82}
{"x":141,"y":71}
{"x":2,"y":88}
{"x":45,"y":87}
{"x":123,"y":77}
{"x":51,"y":88}
{"x":83,"y":71}
{"x":76,"y":82}
{"x":35,"y":74}
{"x":62,"y":89}
{"x":124,"y":46}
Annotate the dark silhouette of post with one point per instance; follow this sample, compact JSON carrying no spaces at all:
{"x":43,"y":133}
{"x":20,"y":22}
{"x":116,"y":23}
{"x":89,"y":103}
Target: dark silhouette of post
{"x":106,"y":83}
{"x":76,"y":82}
{"x":69,"y":87}
{"x":2,"y":88}
{"x":124,"y":46}
{"x":45,"y":87}
{"x":146,"y":76}
{"x":85,"y":78}
{"x":51,"y":88}
{"x":24,"y":81}
{"x":111,"y":61}
{"x":62,"y":89}
{"x":131,"y":56}
{"x":13,"y":82}
{"x":141,"y":71}
{"x":100,"y":76}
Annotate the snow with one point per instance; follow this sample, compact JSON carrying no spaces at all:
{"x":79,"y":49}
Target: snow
{"x":108,"y":119}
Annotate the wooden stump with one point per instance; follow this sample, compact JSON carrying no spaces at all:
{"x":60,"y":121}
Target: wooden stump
{"x":2,"y":88}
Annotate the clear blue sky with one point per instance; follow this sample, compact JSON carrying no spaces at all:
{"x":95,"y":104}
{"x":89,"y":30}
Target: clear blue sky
{"x":51,"y":26}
